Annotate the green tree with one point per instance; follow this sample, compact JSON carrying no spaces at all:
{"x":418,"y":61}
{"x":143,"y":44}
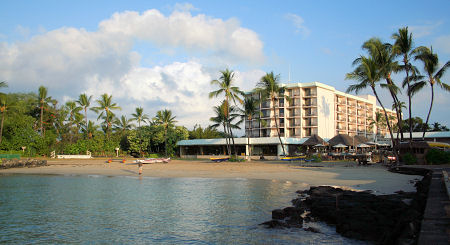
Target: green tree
{"x":404,"y":46}
{"x":165,"y":119}
{"x":383,"y":55}
{"x":434,"y":74}
{"x":250,"y":109}
{"x":231,"y":94}
{"x":123,"y":124}
{"x":104,"y":109}
{"x":85,"y":101}
{"x":379,"y":122}
{"x":3,"y":108}
{"x":368,"y":74}
{"x":205,"y":133}
{"x":43,"y":102}
{"x":270,"y":89}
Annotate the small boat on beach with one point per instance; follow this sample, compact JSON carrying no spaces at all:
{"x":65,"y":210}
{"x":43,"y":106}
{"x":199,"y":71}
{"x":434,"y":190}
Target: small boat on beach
{"x":219,"y":159}
{"x":296,"y":158}
{"x":153,"y":160}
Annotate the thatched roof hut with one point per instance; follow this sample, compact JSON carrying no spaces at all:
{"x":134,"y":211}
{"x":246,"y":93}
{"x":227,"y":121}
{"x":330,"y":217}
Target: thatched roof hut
{"x":347,"y":140}
{"x":314,"y":140}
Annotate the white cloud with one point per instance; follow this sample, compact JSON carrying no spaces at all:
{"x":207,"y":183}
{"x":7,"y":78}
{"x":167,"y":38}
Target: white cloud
{"x":71,"y":61}
{"x":443,"y":43}
{"x":299,"y":24}
{"x":198,"y":33}
{"x":425,"y":29}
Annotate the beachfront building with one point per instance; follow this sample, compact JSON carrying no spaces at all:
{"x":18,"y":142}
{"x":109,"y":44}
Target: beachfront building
{"x":305,"y":109}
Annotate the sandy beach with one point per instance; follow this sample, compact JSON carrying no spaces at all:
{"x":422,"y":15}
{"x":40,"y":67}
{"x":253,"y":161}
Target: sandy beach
{"x":346,"y":174}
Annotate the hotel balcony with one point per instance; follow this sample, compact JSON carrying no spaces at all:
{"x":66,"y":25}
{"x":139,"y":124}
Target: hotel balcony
{"x":265,"y":105}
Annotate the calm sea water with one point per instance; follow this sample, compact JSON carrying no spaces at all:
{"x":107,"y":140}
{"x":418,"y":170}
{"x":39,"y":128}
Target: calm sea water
{"x":117,"y":210}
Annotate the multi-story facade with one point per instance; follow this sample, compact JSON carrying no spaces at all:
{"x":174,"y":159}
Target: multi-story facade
{"x":305,"y":109}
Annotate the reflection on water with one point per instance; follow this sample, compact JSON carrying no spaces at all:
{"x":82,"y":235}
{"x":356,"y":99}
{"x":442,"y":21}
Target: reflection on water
{"x":85,"y":209}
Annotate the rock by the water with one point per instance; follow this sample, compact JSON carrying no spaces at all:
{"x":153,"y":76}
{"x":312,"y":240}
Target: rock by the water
{"x":384,"y":219}
{"x":14,"y":163}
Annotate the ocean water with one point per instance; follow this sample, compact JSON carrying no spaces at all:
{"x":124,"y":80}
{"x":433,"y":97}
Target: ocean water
{"x":54,"y":209}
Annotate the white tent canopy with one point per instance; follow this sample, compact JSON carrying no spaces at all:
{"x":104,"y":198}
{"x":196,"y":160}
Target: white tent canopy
{"x":340,"y":146}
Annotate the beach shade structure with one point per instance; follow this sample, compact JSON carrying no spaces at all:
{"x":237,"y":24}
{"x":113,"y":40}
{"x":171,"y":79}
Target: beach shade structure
{"x":362,"y":145}
{"x":340,"y":146}
{"x":314,"y":140}
{"x":343,"y":139}
{"x":359,"y":139}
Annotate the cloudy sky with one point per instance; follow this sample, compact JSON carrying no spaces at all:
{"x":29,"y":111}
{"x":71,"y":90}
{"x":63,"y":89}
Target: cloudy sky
{"x":163,"y":54}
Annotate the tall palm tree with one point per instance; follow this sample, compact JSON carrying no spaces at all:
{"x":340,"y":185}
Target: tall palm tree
{"x":384,"y":56}
{"x":84,"y":101}
{"x":231,"y":93}
{"x":378,"y":122}
{"x":368,"y":74}
{"x":404,"y":46}
{"x":123,"y":124}
{"x":90,"y":129}
{"x":165,"y":119}
{"x":139,"y":116}
{"x":221,"y":120}
{"x":104,"y":108}
{"x":3,"y":108}
{"x":433,"y":75}
{"x":270,"y":89}
{"x":250,"y":109}
{"x":43,"y":102}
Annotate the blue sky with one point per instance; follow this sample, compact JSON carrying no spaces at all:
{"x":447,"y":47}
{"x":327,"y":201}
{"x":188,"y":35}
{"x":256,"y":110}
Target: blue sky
{"x":162,"y":54}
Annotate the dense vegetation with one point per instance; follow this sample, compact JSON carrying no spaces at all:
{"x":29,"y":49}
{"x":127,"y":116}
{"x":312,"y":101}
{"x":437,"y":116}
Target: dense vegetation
{"x":35,"y":124}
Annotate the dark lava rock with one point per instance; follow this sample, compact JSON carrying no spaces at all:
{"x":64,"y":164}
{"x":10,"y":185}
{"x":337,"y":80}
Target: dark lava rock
{"x":14,"y":163}
{"x":384,"y":219}
{"x":312,"y":229}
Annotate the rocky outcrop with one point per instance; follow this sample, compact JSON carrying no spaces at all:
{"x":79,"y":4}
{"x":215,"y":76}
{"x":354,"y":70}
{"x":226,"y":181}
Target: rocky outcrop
{"x":384,"y":219}
{"x":14,"y":163}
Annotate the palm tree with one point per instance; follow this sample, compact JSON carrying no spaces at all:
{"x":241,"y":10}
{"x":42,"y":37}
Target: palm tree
{"x":404,"y":46}
{"x":104,"y":108}
{"x":90,"y":129}
{"x":368,"y":74}
{"x":384,"y":56}
{"x":231,"y":93}
{"x":3,"y":108}
{"x":123,"y":124}
{"x":221,"y":120}
{"x":43,"y":102}
{"x":250,"y":109}
{"x":270,"y":89}
{"x":430,"y":62}
{"x":139,"y":116}
{"x":84,"y":101}
{"x":378,"y":122}
{"x":165,"y":119}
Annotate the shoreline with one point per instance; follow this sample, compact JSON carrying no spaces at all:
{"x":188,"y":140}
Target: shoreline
{"x":341,"y":174}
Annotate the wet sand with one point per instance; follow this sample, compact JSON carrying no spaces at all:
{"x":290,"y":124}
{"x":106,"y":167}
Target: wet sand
{"x":347,"y":174}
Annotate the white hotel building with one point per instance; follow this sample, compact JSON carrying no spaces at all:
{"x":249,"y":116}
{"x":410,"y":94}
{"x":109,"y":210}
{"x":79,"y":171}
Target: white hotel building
{"x":316,"y":108}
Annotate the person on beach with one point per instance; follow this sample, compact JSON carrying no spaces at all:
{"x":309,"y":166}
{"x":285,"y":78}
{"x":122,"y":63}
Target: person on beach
{"x":140,"y":168}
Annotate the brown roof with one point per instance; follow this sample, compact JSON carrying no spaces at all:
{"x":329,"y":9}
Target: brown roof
{"x":314,"y":140}
{"x":344,"y":139}
{"x":360,"y":139}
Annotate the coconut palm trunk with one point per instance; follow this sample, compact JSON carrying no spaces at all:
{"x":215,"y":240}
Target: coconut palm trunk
{"x":1,"y":127}
{"x":276,"y":125}
{"x":429,"y":112}
{"x":387,"y":122}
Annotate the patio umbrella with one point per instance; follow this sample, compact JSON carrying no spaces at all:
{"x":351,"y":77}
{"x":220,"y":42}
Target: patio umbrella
{"x":319,"y":145}
{"x":362,"y":145}
{"x":340,"y":146}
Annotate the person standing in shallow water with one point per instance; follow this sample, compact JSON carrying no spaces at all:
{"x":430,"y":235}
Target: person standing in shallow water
{"x":140,"y":168}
